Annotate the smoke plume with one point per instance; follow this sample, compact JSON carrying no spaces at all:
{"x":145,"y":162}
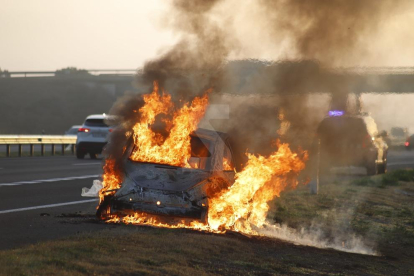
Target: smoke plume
{"x":315,"y":35}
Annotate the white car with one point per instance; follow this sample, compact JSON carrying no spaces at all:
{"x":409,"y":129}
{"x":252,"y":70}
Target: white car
{"x":73,"y":130}
{"x":93,"y":135}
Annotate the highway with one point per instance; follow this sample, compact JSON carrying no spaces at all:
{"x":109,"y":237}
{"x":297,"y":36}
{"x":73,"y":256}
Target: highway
{"x":40,"y":197}
{"x":36,"y":191}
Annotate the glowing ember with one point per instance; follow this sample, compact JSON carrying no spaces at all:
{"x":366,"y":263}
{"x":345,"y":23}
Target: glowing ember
{"x":175,"y":150}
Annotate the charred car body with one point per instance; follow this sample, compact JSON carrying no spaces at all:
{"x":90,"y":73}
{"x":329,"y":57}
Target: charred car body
{"x":176,"y":191}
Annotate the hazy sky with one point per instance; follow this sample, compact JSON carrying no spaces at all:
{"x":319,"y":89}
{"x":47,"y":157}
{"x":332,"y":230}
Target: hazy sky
{"x":92,"y":34}
{"x":109,"y":34}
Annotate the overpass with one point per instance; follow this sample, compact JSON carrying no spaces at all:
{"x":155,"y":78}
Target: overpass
{"x":306,"y":76}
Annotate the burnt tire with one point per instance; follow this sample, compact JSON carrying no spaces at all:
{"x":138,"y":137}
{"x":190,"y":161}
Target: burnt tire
{"x":80,"y":154}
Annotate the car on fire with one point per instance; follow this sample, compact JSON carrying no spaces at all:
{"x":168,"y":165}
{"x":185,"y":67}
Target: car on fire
{"x":350,"y":140}
{"x":173,"y":191}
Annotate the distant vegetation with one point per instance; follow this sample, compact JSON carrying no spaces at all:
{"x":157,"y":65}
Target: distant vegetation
{"x":32,"y":105}
{"x":72,"y":71}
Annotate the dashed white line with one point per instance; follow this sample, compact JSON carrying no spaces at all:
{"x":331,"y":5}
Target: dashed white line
{"x":48,"y":206}
{"x":86,"y":164}
{"x":48,"y":180}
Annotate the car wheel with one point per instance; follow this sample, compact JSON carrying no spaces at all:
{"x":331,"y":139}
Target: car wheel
{"x":80,"y":154}
{"x":92,"y":155}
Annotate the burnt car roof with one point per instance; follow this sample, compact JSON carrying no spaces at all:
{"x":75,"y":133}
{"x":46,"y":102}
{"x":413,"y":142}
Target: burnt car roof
{"x":210,"y":134}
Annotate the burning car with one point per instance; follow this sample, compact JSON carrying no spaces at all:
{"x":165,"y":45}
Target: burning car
{"x":161,"y":189}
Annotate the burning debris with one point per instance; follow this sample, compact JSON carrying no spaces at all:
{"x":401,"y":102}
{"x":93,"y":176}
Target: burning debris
{"x":186,"y":178}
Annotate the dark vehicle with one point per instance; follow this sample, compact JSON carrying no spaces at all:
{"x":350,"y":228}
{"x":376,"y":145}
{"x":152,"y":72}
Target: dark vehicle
{"x":350,"y":140}
{"x":176,"y":191}
{"x":409,"y":143}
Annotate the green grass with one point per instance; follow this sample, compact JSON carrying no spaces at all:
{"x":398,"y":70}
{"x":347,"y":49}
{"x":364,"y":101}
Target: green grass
{"x":389,"y":179}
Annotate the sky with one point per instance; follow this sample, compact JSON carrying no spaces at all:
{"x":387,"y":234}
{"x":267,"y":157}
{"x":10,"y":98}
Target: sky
{"x":107,"y":34}
{"x":93,"y":34}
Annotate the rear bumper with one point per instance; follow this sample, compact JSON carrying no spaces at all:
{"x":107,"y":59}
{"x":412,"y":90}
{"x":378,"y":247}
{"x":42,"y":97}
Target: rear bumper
{"x":95,"y":147}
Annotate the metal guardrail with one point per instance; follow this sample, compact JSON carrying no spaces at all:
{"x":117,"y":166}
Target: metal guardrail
{"x":33,"y":140}
{"x":93,"y":72}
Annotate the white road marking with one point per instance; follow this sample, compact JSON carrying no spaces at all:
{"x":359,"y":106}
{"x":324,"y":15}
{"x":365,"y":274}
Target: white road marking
{"x":47,"y":206}
{"x":400,"y":163}
{"x":49,"y":180}
{"x":85,"y":164}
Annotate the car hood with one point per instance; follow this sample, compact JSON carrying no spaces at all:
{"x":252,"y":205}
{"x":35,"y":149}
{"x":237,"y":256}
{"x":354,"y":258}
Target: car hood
{"x":160,"y":177}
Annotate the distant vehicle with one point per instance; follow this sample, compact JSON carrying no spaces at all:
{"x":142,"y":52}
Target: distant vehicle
{"x":175,"y":191}
{"x":350,"y":140}
{"x":92,"y":136}
{"x":73,"y":130}
{"x":409,"y":143}
{"x":398,"y":136}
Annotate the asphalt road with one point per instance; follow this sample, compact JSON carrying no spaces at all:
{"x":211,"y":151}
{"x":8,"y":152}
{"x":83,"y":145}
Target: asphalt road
{"x":40,"y":197}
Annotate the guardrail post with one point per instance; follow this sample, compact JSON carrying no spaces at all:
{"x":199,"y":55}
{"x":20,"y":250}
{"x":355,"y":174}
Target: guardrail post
{"x":31,"y":149}
{"x":8,"y":150}
{"x":17,"y":143}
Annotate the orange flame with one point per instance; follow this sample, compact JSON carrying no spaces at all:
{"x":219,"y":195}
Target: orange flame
{"x":245,"y":203}
{"x":175,"y":150}
{"x":227,"y":166}
{"x":111,"y":180}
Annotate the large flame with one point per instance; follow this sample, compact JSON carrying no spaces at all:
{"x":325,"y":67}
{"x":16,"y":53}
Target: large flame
{"x":175,"y":150}
{"x":242,"y":207}
{"x":244,"y":204}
